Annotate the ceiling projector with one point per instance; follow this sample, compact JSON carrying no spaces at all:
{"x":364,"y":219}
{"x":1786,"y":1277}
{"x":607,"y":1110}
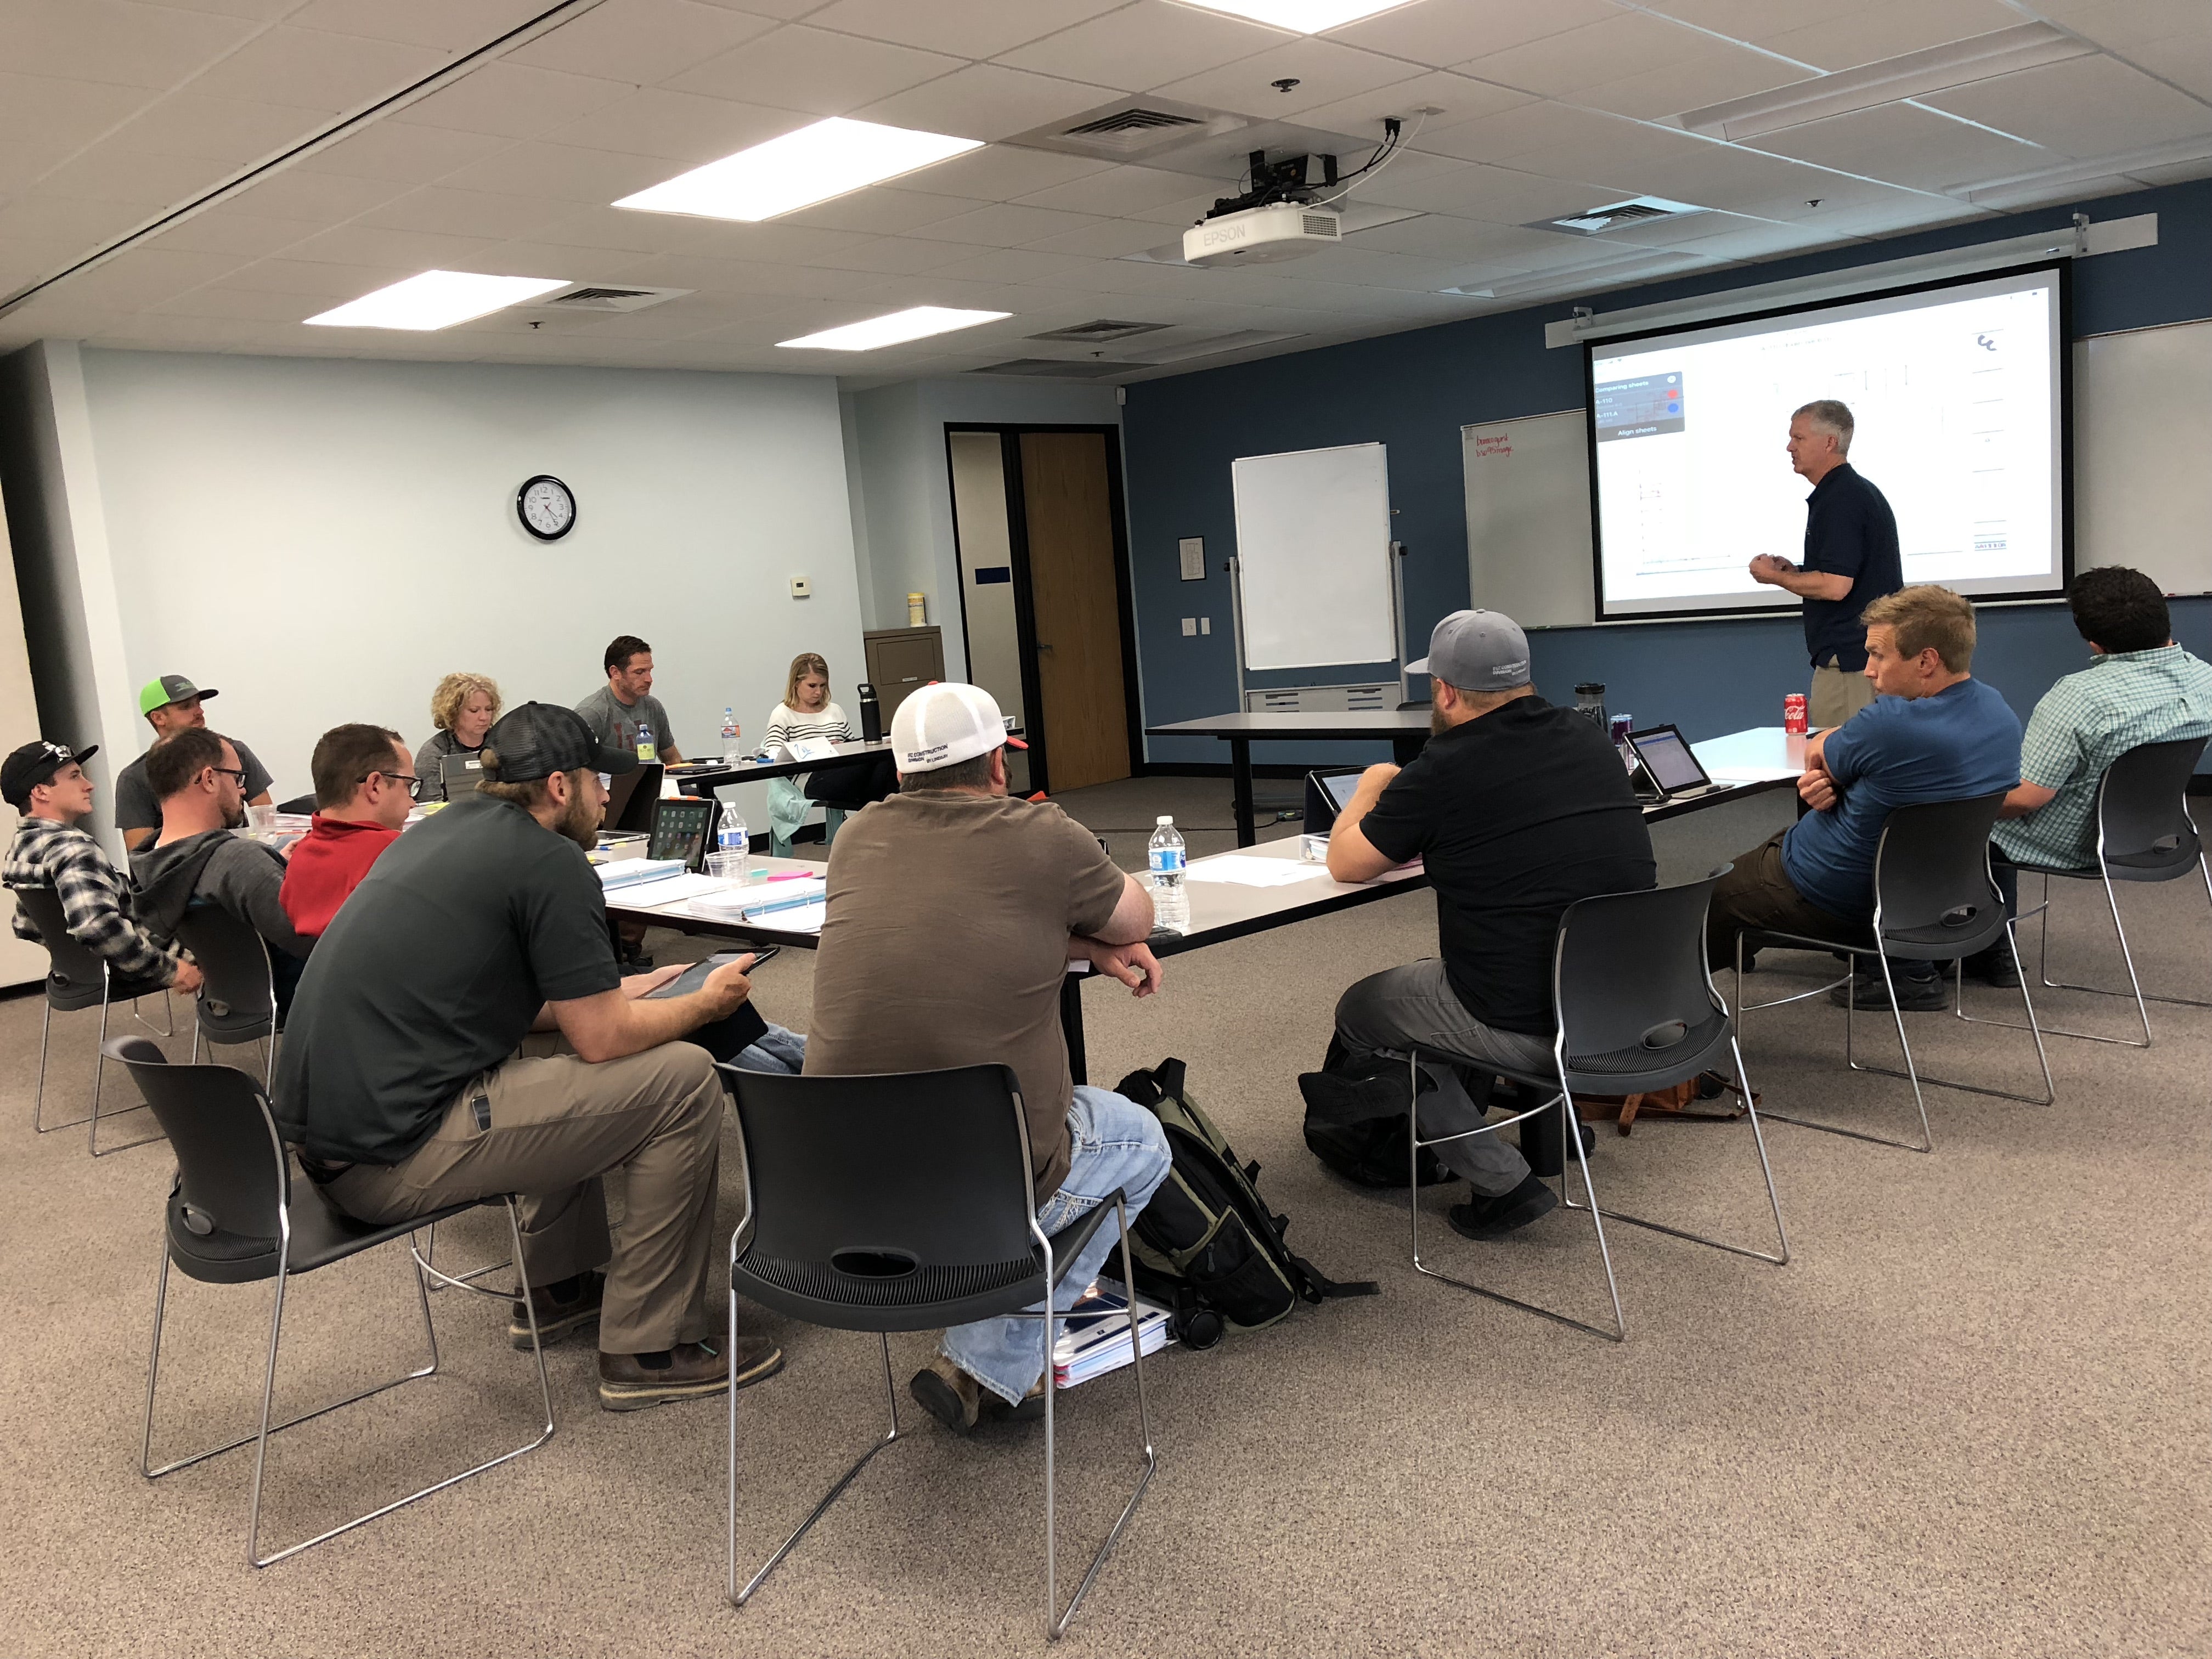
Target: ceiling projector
{"x":1261,"y":235}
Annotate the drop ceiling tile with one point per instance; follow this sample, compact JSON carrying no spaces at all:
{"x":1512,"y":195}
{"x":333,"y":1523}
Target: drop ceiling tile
{"x":2187,"y":63}
{"x":359,"y":244}
{"x":641,"y":41}
{"x":1455,"y":97}
{"x":677,"y":125}
{"x":1014,"y":264}
{"x":1746,"y":20}
{"x":1713,"y":77}
{"x":2088,"y":107}
{"x":1188,"y":211}
{"x":1144,"y":46}
{"x":975,"y":29}
{"x":1325,"y":72}
{"x":311,"y":69}
{"x":809,"y":69}
{"x":1003,"y":173}
{"x":2127,"y":25}
{"x":566,"y":172}
{"x":896,"y":256}
{"x":883,"y":210}
{"x":45,"y":120}
{"x":325,"y":198}
{"x":987,"y":101}
{"x":393,"y":152}
{"x":116,"y":41}
{"x":107,"y":172}
{"x":84,"y":225}
{"x":1118,"y":190}
{"x":237,"y":131}
{"x":311,"y":279}
{"x":1529,"y":129}
{"x":1443,"y":35}
{"x":1621,"y":156}
{"x":512,"y":100}
{"x":1455,"y":242}
{"x":619,"y":229}
{"x":1369,"y":268}
{"x":1851,"y":38}
{"x":466,"y":213}
{"x":224,"y":230}
{"x":746,"y":281}
{"x":1507,"y":196}
{"x":239,"y":305}
{"x":1004,"y":225}
{"x":447,"y":25}
{"x":146,"y":275}
{"x":1901,"y":145}
{"x":1626,"y":44}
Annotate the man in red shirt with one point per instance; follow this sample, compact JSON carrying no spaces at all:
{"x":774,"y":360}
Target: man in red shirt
{"x":365,"y":785}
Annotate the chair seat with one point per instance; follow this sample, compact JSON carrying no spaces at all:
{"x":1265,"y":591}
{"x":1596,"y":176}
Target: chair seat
{"x":322,"y":1233}
{"x":218,"y":1023}
{"x":924,"y":1299}
{"x":1919,"y":943}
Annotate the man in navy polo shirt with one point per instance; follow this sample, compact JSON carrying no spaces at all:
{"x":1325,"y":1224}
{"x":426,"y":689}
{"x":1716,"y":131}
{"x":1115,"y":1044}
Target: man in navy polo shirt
{"x":1851,"y":560}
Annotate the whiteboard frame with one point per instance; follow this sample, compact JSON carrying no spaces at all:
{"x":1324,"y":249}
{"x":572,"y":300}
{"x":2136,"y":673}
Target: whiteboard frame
{"x":1391,"y":552}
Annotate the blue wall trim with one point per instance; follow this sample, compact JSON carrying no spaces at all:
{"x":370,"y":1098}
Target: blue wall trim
{"x":1414,"y":390}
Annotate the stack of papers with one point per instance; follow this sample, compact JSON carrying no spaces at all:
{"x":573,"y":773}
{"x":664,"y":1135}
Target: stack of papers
{"x":1095,"y":1340}
{"x":797,"y":905}
{"x":667,"y":889}
{"x":629,"y":872}
{"x":1244,"y":870}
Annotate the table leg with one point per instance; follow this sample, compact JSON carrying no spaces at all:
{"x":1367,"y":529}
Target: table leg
{"x":1070,"y":1023}
{"x":1240,"y":772}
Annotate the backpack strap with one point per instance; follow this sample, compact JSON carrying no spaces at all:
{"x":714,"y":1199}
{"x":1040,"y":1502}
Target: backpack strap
{"x":1319,"y":1287}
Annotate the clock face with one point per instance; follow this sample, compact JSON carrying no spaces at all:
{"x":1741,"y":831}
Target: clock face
{"x":546,"y":508}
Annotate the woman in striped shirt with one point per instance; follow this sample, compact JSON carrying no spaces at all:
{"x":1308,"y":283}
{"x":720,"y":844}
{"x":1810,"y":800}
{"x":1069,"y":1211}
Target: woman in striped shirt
{"x":805,"y":712}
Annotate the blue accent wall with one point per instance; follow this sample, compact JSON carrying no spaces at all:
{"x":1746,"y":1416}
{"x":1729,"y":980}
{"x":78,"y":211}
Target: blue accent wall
{"x":1414,"y":390}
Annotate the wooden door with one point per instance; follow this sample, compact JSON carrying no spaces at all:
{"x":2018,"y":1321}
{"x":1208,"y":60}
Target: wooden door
{"x":1068,"y":509}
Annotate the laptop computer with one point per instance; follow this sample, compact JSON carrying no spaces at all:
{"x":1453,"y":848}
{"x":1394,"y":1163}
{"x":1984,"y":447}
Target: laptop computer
{"x":1666,"y":765}
{"x":631,"y":798}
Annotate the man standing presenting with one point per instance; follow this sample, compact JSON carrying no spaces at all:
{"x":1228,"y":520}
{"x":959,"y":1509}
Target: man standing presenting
{"x":1851,"y":560}
{"x":617,"y":710}
{"x":171,"y":704}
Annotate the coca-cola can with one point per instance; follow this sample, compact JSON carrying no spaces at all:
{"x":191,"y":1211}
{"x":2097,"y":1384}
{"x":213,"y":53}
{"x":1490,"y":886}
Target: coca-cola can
{"x":1794,"y":720}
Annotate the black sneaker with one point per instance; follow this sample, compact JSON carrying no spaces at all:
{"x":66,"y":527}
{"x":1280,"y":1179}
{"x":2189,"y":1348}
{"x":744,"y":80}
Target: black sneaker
{"x":1995,"y":966}
{"x":1916,"y":993}
{"x":1494,"y":1217}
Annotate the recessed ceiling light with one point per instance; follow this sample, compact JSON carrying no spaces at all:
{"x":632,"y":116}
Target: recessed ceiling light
{"x":437,"y":299}
{"x":1306,"y":16}
{"x":899,"y":326}
{"x":798,"y":170}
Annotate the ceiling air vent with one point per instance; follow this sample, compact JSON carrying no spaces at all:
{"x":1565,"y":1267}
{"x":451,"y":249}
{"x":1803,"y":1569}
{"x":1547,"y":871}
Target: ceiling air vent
{"x":1102,"y":328}
{"x":1637,"y":211}
{"x":1131,"y":128}
{"x":1057,"y":368}
{"x":584,"y":297}
{"x":1137,"y":120}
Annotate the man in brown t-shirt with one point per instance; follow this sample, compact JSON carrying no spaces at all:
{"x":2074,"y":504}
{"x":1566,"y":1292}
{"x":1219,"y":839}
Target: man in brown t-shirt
{"x":953,"y":913}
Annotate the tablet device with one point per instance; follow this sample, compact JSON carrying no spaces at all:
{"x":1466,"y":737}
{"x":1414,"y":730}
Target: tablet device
{"x":726,"y":1038}
{"x":1667,"y":760}
{"x":681,"y":829}
{"x":631,"y":797}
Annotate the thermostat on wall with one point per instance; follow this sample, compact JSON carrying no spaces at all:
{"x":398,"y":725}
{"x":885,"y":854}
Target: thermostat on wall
{"x":801,"y":588}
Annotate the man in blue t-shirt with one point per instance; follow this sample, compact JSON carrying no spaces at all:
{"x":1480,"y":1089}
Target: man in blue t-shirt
{"x":1933,"y":732}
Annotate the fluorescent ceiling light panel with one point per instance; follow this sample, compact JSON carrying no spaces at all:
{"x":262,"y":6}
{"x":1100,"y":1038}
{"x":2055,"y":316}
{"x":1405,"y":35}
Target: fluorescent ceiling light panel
{"x":437,"y":299}
{"x":1915,"y":74}
{"x":915,"y":323}
{"x":829,"y":158}
{"x":1306,"y":16}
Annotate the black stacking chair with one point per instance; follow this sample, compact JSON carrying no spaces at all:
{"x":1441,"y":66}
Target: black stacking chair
{"x":237,"y":991}
{"x":78,"y":978}
{"x":1637,"y":1013}
{"x":904,"y":1203}
{"x":237,"y":1215}
{"x":2144,"y":833}
{"x":297,"y":805}
{"x":1935,"y":901}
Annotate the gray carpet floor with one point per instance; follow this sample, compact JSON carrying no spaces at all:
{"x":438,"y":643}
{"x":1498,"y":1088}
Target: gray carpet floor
{"x":1969,"y":1418}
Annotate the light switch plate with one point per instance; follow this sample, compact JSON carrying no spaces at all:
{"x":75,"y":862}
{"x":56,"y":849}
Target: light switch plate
{"x":801,"y":588}
{"x":1206,"y":624}
{"x":1190,"y":628}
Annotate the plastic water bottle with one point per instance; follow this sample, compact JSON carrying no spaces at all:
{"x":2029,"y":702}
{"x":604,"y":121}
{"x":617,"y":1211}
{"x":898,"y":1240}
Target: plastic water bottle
{"x":647,"y":751}
{"x":732,"y":750}
{"x":1170,"y":899}
{"x":732,"y":836}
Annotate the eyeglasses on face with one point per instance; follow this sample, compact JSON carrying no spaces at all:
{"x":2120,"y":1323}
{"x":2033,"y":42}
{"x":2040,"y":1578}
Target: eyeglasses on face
{"x":413,"y":784}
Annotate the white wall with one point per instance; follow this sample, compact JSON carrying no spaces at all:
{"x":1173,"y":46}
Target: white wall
{"x":321,"y":540}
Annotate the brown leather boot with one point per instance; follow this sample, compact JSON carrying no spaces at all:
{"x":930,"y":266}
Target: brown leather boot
{"x":557,"y":1316}
{"x":690,"y":1371}
{"x":959,"y":1401}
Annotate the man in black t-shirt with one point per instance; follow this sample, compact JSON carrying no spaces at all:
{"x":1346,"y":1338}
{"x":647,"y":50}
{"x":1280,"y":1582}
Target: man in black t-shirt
{"x":398,"y":1076}
{"x":1517,"y":809}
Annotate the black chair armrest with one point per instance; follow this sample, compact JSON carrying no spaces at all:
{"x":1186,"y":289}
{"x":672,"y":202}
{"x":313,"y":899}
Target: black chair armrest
{"x":1068,"y":1243}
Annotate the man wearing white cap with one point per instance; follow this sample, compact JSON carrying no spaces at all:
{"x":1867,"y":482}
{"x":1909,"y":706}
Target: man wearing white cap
{"x":954,"y":912}
{"x":1517,"y":809}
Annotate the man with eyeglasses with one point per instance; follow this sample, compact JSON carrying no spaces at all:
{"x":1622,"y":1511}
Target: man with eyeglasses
{"x":197,"y":777}
{"x":365,"y":786}
{"x":171,"y":704}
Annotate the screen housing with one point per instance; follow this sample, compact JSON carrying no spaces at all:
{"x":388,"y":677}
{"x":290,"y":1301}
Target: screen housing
{"x":2061,"y":272}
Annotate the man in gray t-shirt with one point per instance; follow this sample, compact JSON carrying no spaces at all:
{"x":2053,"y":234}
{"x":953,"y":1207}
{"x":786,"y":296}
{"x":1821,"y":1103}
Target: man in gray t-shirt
{"x":171,"y":703}
{"x":617,"y":710}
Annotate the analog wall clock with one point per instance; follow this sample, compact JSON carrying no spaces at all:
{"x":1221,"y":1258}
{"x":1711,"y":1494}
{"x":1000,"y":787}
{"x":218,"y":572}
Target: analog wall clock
{"x":546,"y":507}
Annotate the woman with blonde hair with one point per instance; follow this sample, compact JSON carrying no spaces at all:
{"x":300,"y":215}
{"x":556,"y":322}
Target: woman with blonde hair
{"x":463,"y":709}
{"x":805,"y":712}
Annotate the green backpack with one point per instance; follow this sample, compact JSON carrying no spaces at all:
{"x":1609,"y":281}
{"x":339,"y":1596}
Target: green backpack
{"x":1206,"y":1247}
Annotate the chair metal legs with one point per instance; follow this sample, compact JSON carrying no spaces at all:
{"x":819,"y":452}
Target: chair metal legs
{"x":1056,"y":1621}
{"x":2142,"y":1000}
{"x":259,"y":1439}
{"x":1572,"y":1132}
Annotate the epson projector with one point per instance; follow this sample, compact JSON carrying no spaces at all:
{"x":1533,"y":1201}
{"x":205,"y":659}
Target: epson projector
{"x":1261,"y":235}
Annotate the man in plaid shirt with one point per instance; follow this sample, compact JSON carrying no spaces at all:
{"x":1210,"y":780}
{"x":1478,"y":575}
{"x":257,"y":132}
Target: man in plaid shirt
{"x":46,"y":782}
{"x":2140,"y":687}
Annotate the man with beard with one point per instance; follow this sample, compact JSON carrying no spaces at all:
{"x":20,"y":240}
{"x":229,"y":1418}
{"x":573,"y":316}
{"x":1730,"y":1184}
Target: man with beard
{"x":399,"y":1076}
{"x":1517,"y":809}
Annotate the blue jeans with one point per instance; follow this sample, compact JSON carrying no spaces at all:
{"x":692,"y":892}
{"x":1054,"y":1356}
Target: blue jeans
{"x":1117,"y":1143}
{"x":777,"y":1050}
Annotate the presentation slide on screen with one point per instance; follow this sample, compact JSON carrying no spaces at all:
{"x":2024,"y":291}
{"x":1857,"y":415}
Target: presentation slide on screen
{"x":1955,"y":391}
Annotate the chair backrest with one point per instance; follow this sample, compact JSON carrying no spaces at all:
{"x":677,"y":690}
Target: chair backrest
{"x":1629,"y":977}
{"x":231,"y":1168}
{"x":883,"y":1191}
{"x":2143,"y":828}
{"x":1933,"y":894}
{"x":77,"y":976}
{"x":238,"y":994}
{"x":298,"y":804}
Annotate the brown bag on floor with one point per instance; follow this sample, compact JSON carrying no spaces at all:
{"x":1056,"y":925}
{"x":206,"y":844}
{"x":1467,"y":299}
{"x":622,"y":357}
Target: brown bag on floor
{"x":1666,"y":1102}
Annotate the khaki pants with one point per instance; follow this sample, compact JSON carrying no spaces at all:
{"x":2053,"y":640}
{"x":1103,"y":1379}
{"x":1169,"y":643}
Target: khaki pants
{"x":547,"y":1130}
{"x":1757,"y":893}
{"x":1837,"y":694}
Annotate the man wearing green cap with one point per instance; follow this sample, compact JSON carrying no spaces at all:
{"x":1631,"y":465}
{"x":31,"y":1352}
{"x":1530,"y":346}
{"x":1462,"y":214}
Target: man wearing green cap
{"x":171,"y":703}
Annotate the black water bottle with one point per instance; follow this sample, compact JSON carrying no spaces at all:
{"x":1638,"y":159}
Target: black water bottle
{"x":872,"y":714}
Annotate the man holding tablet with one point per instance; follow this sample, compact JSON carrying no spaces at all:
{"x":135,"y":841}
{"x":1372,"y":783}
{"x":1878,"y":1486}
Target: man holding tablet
{"x":1851,"y":559}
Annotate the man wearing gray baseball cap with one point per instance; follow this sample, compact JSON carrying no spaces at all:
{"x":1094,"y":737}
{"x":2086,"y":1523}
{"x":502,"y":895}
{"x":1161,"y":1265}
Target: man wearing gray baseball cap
{"x":1517,"y":809}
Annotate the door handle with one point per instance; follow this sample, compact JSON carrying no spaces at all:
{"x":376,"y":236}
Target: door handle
{"x":1042,"y":647}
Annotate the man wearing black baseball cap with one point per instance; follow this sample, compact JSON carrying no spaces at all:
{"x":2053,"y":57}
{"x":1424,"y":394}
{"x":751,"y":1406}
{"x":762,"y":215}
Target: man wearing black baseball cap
{"x":171,"y":704}
{"x":398,"y":1073}
{"x":46,"y":782}
{"x":1517,"y":809}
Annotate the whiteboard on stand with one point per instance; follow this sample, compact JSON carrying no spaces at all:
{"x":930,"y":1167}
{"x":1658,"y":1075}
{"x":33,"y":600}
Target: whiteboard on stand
{"x":1528,"y":519}
{"x":1315,"y":586}
{"x":2143,"y":424}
